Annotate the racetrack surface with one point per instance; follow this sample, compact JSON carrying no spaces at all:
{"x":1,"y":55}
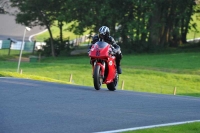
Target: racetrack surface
{"x":10,"y":29}
{"x":28,"y":106}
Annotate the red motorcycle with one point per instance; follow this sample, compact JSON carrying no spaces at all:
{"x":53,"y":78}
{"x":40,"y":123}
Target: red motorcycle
{"x":104,"y":67}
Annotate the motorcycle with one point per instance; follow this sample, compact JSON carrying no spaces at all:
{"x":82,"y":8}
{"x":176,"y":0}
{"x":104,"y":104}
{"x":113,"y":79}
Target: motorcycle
{"x":104,"y":66}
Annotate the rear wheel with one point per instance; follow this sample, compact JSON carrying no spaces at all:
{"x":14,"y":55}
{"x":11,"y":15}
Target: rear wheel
{"x":113,"y":85}
{"x":97,"y":79}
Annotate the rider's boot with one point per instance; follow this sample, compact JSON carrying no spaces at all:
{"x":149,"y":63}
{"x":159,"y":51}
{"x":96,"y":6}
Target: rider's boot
{"x":118,"y":58}
{"x":119,"y":70}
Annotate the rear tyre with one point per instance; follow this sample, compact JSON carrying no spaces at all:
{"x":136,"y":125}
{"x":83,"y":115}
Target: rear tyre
{"x":113,"y":85}
{"x":97,"y":79}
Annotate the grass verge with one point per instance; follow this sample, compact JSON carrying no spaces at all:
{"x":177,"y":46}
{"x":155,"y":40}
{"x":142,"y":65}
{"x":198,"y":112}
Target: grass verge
{"x":155,"y":73}
{"x":184,"y":128}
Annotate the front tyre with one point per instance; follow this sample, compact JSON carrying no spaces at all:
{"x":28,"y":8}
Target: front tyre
{"x":113,"y":85}
{"x":97,"y":79}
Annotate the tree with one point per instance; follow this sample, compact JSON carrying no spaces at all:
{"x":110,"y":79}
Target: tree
{"x":173,"y":23}
{"x":4,"y":6}
{"x":37,"y":12}
{"x":140,"y":25}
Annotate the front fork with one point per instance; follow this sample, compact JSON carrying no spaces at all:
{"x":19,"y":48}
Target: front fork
{"x":102,"y":67}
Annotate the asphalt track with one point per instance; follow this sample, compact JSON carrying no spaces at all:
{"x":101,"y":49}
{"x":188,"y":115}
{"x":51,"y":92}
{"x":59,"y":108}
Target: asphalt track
{"x":28,"y":106}
{"x":10,"y":29}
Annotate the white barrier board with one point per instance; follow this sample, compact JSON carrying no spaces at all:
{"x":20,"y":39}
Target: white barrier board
{"x":0,"y":44}
{"x":16,"y":46}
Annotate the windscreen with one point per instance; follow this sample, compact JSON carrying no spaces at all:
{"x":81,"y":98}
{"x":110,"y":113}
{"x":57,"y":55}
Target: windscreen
{"x":101,"y":44}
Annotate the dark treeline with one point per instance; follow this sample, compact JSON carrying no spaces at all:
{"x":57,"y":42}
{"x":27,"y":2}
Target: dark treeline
{"x":138,"y":25}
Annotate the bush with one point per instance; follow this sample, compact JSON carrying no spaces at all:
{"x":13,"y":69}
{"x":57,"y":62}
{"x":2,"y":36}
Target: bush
{"x":60,"y":48}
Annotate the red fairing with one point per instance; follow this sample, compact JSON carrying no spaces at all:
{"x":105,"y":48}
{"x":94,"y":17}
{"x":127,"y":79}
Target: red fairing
{"x":97,"y":52}
{"x":111,"y":70}
{"x":100,"y":54}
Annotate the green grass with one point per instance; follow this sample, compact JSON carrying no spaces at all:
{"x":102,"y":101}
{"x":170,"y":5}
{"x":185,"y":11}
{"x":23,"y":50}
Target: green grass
{"x":13,"y":54}
{"x":184,"y":128}
{"x":4,"y":52}
{"x":155,"y":73}
{"x":165,"y":71}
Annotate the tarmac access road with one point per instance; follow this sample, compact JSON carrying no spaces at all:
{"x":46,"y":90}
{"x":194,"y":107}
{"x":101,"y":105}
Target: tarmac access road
{"x":10,"y":29}
{"x":29,"y":106}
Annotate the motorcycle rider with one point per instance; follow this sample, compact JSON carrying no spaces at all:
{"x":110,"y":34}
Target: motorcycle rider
{"x":104,"y":35}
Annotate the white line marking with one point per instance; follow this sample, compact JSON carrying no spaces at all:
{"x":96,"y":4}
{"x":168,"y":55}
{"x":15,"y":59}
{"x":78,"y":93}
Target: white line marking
{"x":146,"y":127}
{"x":30,"y":38}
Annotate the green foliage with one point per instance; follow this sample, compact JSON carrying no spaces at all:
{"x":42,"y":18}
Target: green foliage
{"x":43,"y":13}
{"x":60,"y":47}
{"x":140,"y":26}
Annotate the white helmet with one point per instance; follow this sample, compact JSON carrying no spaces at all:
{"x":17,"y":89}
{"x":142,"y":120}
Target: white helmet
{"x":104,"y":32}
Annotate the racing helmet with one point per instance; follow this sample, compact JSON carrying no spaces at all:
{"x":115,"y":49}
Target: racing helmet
{"x":104,"y":32}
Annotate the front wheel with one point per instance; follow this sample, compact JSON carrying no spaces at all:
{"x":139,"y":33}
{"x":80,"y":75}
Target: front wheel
{"x":113,"y":85}
{"x":97,"y":79}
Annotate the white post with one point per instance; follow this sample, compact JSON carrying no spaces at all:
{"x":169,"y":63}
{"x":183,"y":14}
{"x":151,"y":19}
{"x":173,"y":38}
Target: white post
{"x":174,"y":90}
{"x":122,"y":85}
{"x":70,"y":79}
{"x":22,"y":45}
